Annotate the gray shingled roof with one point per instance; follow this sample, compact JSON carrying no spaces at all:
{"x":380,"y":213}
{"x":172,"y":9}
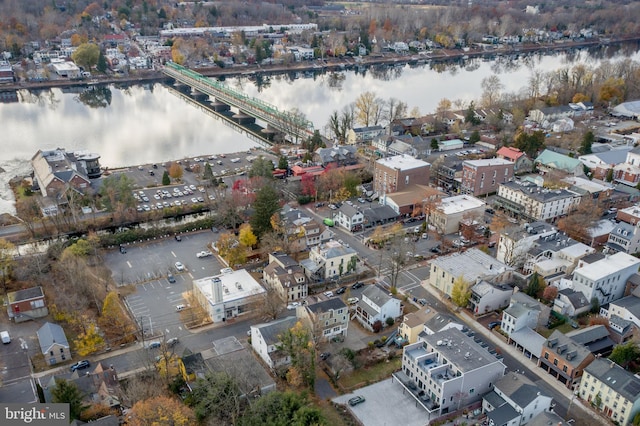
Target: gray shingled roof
{"x":49,"y":334}
{"x":518,"y":388}
{"x":615,"y":377}
{"x":333,"y":303}
{"x":272,"y":331}
{"x":630,"y":303}
{"x":376,"y":295}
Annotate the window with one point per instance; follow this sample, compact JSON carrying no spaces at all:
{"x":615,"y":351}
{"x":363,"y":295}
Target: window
{"x":564,"y":368}
{"x":546,"y":355}
{"x":406,"y":180}
{"x":555,"y":362}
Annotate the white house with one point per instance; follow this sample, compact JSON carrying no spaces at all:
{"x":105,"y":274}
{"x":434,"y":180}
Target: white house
{"x":349,"y":217}
{"x":376,"y":305}
{"x":329,"y":260}
{"x":515,"y":400}
{"x":364,"y":134}
{"x":286,"y":276}
{"x":448,"y":370}
{"x":487,"y":297}
{"x":266,"y":339}
{"x":625,"y":238}
{"x":605,"y":279}
{"x":326,"y":319}
{"x":627,"y":308}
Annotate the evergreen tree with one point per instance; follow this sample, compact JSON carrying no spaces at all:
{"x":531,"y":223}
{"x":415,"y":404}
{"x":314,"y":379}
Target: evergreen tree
{"x":534,"y":285}
{"x":67,"y":392}
{"x":587,"y":142}
{"x":265,"y":205}
{"x":208,"y":173}
{"x":102,"y":64}
{"x":434,"y":144}
{"x":166,"y":180}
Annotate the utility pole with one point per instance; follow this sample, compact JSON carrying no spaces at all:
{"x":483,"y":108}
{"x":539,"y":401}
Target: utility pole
{"x":142,"y":330}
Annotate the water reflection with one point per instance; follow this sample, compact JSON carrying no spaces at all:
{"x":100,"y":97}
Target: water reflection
{"x":96,"y":97}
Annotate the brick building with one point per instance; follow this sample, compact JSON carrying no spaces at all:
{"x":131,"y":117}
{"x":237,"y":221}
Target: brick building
{"x":480,"y":177}
{"x":397,"y":173}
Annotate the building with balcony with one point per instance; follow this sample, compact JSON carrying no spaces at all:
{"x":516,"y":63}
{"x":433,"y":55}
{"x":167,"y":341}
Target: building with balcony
{"x":326,"y":319}
{"x":448,"y":370}
{"x":532,"y":202}
{"x":564,"y":359}
{"x":613,"y":390}
{"x":605,"y":279}
{"x":481,"y":177}
{"x":397,"y":173}
{"x":514,"y":400}
{"x":286,"y":276}
{"x":624,"y":238}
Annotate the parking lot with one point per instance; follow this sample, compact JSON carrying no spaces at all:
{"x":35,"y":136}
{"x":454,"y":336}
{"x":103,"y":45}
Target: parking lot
{"x":385,"y":403}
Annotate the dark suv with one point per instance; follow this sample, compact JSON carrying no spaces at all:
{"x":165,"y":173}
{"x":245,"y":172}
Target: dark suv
{"x":341,"y":290}
{"x":357,"y":285}
{"x":80,"y":365}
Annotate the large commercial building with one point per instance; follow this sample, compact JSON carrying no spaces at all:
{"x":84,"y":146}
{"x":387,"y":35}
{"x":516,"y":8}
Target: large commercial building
{"x":533,"y":202}
{"x":480,"y":177}
{"x":399,"y":172}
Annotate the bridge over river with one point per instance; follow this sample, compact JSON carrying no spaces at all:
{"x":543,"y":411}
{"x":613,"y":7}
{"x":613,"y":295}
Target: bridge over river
{"x":295,"y":127}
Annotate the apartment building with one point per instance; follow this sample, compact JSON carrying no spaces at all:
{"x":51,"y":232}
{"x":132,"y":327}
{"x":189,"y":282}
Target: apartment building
{"x":448,"y":213}
{"x":532,"y":202}
{"x":605,"y":279}
{"x":481,"y":177}
{"x":564,"y":359}
{"x":397,"y":173}
{"x":613,"y":390}
{"x":326,"y":319}
{"x":329,"y":260}
{"x":448,"y":370}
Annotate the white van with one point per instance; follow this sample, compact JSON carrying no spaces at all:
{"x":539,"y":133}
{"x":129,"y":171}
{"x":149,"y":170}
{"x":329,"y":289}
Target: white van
{"x":4,"y":335}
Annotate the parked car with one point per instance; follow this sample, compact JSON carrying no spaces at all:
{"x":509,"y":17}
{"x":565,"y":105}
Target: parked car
{"x":356,"y":400}
{"x":172,"y":342}
{"x":352,"y":300}
{"x":80,"y":365}
{"x":357,"y":285}
{"x":494,"y":324}
{"x":179,"y":266}
{"x":153,"y":345}
{"x":180,"y":307}
{"x":171,"y":278}
{"x":422,"y":301}
{"x":203,"y":253}
{"x":341,"y":290}
{"x":435,"y":250}
{"x":178,"y":238}
{"x":328,"y":293}
{"x":293,"y":306}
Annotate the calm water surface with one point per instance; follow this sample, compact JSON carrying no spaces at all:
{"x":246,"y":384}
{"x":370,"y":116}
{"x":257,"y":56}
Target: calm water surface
{"x":143,"y":124}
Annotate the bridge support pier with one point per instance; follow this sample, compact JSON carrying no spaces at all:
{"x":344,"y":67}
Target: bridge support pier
{"x":219,"y":106}
{"x":243,"y":118}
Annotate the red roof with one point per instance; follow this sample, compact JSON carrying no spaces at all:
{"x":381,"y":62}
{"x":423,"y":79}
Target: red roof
{"x":509,"y":153}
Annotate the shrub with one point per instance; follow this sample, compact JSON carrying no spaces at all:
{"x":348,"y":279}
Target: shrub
{"x":389,"y":321}
{"x":377,"y":326}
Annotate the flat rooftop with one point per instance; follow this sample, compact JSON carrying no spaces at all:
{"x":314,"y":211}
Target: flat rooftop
{"x":459,"y":204}
{"x":484,"y":162}
{"x":235,"y":285}
{"x":402,"y":162}
{"x":607,"y":266}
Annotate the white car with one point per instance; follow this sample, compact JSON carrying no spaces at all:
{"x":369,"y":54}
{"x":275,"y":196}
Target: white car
{"x":293,"y":306}
{"x":204,"y":253}
{"x":179,"y":266}
{"x":328,"y":293}
{"x":352,"y":300}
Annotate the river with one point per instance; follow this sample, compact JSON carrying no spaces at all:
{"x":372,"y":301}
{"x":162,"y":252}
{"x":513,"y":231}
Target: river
{"x":149,"y":123}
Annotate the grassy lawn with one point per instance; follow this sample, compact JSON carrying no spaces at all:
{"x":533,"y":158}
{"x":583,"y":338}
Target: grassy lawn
{"x":375,"y":373}
{"x":564,"y":328}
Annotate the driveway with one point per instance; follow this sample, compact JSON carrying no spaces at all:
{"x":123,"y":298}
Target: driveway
{"x":385,"y":403}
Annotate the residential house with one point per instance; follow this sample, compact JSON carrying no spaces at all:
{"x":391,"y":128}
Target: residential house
{"x":449,"y":212}
{"x":595,"y":338}
{"x":53,"y":343}
{"x":57,"y":171}
{"x":6,"y":72}
{"x":565,"y":359}
{"x":437,"y":322}
{"x":376,"y":305}
{"x":447,"y":371}
{"x":286,"y":276}
{"x":398,"y":173}
{"x":515,"y":400}
{"x":266,"y":339}
{"x":521,"y":162}
{"x":550,"y":161}
{"x":621,"y":330}
{"x":613,"y":390}
{"x":228,"y":295}
{"x":450,"y":145}
{"x":547,"y":418}
{"x":516,"y":241}
{"x":315,"y":233}
{"x":627,"y":308}
{"x":519,"y":315}
{"x":629,"y":109}
{"x":243,"y":365}
{"x":337,"y":156}
{"x":520,"y":320}
{"x":630,"y":215}
{"x":532,"y":202}
{"x":329,"y":261}
{"x":549,"y":114}
{"x":487,"y":297}
{"x":472,"y":266}
{"x":26,"y":304}
{"x":554,"y":254}
{"x":482,"y":177}
{"x":362,"y":135}
{"x":328,"y":319}
{"x":412,"y":325}
{"x":589,"y":189}
{"x":624,"y":238}
{"x":415,"y":198}
{"x":302,"y":229}
{"x":350,"y":217}
{"x":600,"y":163}
{"x":99,"y":385}
{"x":571,"y":303}
{"x":605,"y":279}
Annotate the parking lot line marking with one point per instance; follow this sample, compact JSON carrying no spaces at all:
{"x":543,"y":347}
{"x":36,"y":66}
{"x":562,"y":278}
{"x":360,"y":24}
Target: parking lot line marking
{"x":180,"y":328}
{"x":174,"y":255}
{"x":129,"y":263}
{"x":167,"y":330}
{"x":190,"y":275}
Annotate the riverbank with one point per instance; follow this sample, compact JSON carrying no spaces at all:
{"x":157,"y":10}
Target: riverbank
{"x":328,"y":64}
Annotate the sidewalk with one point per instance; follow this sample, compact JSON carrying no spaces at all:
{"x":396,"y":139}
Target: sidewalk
{"x":505,"y":347}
